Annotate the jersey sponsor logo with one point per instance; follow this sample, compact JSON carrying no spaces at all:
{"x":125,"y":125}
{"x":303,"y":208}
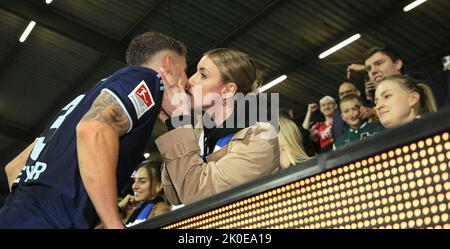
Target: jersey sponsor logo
{"x":142,"y":99}
{"x":33,"y":172}
{"x":34,"y":168}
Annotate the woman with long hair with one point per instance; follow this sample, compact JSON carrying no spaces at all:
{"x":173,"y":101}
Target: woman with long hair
{"x":221,"y":154}
{"x":147,"y":200}
{"x":400,"y":99}
{"x":290,"y":139}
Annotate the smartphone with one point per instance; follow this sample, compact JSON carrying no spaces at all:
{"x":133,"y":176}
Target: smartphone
{"x":371,"y":93}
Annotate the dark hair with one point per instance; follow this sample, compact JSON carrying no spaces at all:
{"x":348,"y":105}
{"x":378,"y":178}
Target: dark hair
{"x":237,"y":67}
{"x":427,"y":102}
{"x":146,"y":45}
{"x":284,"y":112}
{"x":350,"y":97}
{"x":153,"y":169}
{"x":390,"y":52}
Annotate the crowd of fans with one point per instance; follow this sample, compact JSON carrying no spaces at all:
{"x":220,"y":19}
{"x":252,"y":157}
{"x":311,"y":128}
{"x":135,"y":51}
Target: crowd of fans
{"x":391,"y":98}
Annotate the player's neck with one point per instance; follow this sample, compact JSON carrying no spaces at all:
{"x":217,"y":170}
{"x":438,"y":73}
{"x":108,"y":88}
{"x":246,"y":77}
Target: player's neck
{"x":156,"y":62}
{"x":152,"y":66}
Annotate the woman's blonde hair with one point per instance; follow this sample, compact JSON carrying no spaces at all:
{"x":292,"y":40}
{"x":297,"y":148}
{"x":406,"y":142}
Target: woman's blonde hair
{"x":291,"y":139}
{"x":236,"y":67}
{"x":427,"y":102}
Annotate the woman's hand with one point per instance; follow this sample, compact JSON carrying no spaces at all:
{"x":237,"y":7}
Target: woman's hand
{"x":175,"y":102}
{"x":163,"y":116}
{"x":127,"y":203}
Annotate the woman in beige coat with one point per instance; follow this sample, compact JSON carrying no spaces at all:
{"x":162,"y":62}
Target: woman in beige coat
{"x":205,"y":161}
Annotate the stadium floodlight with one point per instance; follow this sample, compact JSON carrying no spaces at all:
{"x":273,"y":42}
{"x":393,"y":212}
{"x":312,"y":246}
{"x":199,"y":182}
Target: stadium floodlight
{"x":272,"y":83}
{"x":339,"y":46}
{"x":413,"y":5}
{"x":27,"y":31}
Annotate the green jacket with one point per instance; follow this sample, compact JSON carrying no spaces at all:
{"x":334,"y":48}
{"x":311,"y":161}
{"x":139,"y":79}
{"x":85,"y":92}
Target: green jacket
{"x":366,"y":130}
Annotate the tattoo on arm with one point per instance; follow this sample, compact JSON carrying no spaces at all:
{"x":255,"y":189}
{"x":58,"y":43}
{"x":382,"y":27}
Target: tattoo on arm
{"x":106,"y":109}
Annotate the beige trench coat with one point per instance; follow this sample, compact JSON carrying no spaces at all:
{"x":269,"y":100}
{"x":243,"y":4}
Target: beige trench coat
{"x":186,"y":178}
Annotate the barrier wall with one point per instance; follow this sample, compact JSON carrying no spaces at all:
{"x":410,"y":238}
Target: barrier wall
{"x":397,"y":179}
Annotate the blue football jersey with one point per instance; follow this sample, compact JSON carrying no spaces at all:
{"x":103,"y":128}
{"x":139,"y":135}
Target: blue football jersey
{"x":50,"y":188}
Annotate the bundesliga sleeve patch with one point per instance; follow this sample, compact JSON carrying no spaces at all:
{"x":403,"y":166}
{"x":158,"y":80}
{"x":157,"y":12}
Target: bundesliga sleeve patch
{"x":142,"y":99}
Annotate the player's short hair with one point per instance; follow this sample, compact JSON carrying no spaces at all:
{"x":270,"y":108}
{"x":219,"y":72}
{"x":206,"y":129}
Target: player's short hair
{"x":143,"y":47}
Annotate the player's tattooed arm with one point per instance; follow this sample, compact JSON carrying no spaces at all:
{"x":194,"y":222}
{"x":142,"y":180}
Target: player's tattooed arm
{"x":106,"y":109}
{"x":98,"y":145}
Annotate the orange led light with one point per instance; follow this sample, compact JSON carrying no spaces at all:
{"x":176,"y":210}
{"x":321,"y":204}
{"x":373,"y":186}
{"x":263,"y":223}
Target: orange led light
{"x":437,"y":139}
{"x":421,"y":144}
{"x":391,"y":154}
{"x":447,"y":145}
{"x":405,"y":149}
{"x":445,"y":136}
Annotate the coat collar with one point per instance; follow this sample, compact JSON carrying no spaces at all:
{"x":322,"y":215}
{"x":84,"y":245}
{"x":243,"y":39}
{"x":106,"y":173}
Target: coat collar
{"x":242,"y":135}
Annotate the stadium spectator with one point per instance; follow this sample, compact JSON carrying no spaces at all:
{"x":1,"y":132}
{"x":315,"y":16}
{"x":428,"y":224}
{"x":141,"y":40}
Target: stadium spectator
{"x":384,"y":61}
{"x":366,"y":112}
{"x":321,"y":132}
{"x":401,"y":99}
{"x":290,"y":139}
{"x":148,"y":200}
{"x":359,"y":128}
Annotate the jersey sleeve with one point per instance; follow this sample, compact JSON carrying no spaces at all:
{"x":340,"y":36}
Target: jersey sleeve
{"x":137,"y":92}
